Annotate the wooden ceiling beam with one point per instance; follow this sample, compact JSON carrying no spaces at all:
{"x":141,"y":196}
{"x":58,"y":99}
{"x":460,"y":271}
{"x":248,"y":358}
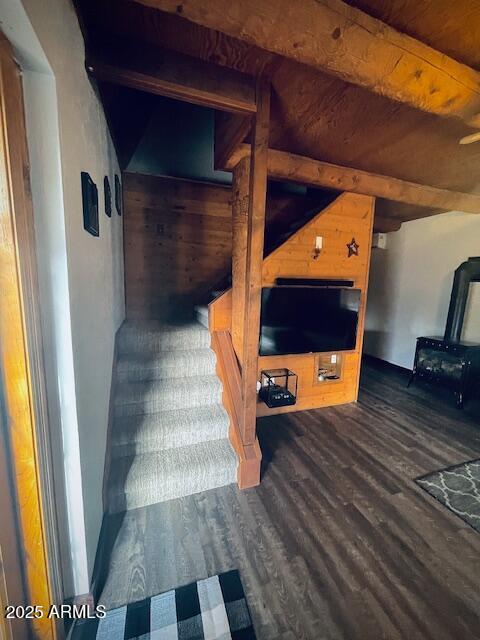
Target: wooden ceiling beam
{"x":385,"y":225}
{"x":345,"y":42}
{"x":294,"y":168}
{"x":174,"y":75}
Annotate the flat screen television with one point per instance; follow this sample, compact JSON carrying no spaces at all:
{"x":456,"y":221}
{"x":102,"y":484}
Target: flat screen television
{"x":300,"y":319}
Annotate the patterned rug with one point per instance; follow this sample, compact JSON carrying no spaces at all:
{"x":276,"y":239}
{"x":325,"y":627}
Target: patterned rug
{"x":458,"y":488}
{"x":211,"y":609}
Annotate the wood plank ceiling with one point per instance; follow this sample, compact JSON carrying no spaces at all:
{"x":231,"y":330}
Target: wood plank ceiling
{"x":322,"y":117}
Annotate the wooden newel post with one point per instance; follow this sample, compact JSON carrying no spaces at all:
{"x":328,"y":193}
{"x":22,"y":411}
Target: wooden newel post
{"x":255,"y":228}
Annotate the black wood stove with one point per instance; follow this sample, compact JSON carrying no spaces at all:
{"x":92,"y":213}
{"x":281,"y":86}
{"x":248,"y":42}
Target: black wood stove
{"x":450,"y":361}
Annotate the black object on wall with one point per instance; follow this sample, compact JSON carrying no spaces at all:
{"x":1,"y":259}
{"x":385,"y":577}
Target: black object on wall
{"x":118,"y":195}
{"x":90,"y":204}
{"x":466,"y":273}
{"x":107,"y":192}
{"x":313,"y":282}
{"x":308,"y":320}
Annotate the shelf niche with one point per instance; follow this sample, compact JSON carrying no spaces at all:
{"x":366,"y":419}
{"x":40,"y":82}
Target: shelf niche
{"x":328,"y":368}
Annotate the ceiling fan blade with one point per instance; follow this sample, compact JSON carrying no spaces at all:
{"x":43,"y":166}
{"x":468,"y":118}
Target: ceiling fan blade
{"x":473,"y":137}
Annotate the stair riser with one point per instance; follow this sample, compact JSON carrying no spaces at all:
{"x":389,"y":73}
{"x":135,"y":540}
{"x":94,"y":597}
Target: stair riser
{"x":169,"y":399}
{"x":155,"y":342}
{"x":168,"y":440}
{"x":203,"y":365}
{"x":165,"y":437}
{"x":179,"y":486}
{"x":169,"y":429}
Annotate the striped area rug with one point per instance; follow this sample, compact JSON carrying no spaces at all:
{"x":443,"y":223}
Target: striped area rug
{"x":210,"y":609}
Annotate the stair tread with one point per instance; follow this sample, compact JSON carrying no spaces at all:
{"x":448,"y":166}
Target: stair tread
{"x":154,"y":336}
{"x":166,"y":364}
{"x":140,"y":390}
{"x":167,"y":354}
{"x":163,"y":394}
{"x":169,"y":429}
{"x":157,"y":326}
{"x":158,"y":476}
{"x":201,"y":308}
{"x":201,"y":313}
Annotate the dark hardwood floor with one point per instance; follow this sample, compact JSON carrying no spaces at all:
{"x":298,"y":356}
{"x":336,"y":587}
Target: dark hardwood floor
{"x":338,"y":541}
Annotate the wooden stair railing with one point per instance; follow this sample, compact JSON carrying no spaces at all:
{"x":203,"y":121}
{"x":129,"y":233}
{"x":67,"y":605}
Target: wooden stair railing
{"x":228,"y":370}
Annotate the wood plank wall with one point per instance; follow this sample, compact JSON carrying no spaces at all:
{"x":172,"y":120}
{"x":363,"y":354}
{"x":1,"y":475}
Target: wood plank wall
{"x":349,"y":216}
{"x":178,"y":243}
{"x":178,"y":240}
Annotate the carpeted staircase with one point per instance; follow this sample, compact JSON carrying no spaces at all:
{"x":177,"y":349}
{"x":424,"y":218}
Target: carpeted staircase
{"x":170,"y":430}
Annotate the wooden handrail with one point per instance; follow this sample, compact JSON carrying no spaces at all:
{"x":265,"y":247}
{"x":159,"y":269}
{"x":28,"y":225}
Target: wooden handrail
{"x":228,"y":370}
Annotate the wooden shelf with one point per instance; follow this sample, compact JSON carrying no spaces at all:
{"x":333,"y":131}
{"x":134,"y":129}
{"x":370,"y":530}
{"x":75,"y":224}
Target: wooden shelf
{"x":328,"y":365}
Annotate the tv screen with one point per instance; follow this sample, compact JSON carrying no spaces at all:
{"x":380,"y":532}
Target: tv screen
{"x":308,"y":320}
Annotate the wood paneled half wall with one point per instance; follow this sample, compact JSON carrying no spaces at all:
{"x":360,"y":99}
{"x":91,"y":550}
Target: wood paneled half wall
{"x":349,"y":217}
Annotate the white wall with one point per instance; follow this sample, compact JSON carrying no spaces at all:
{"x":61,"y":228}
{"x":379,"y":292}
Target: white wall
{"x":81,"y":277}
{"x":411,"y":282}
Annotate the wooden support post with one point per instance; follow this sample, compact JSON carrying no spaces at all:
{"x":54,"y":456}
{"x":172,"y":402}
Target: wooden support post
{"x":254,"y":260}
{"x":240,"y":205}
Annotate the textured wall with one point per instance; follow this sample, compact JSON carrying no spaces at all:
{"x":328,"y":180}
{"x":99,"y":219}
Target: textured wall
{"x":81,"y":277}
{"x":411,"y":283}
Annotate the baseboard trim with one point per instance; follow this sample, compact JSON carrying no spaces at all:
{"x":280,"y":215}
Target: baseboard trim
{"x":111,"y":412}
{"x":387,"y":365}
{"x":99,"y":566}
{"x":98,"y":573}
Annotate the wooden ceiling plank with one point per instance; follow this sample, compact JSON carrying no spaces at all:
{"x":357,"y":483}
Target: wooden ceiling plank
{"x":299,"y":169}
{"x":345,"y":42}
{"x":175,"y":75}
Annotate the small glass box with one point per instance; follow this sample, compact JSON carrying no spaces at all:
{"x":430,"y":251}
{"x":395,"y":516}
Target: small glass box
{"x":278,"y":387}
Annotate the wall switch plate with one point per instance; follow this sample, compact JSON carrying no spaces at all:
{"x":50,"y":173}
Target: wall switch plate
{"x":333,"y":358}
{"x":379,"y":241}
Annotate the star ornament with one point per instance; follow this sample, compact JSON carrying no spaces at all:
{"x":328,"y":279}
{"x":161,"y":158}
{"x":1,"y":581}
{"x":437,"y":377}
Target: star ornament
{"x":353,"y":248}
